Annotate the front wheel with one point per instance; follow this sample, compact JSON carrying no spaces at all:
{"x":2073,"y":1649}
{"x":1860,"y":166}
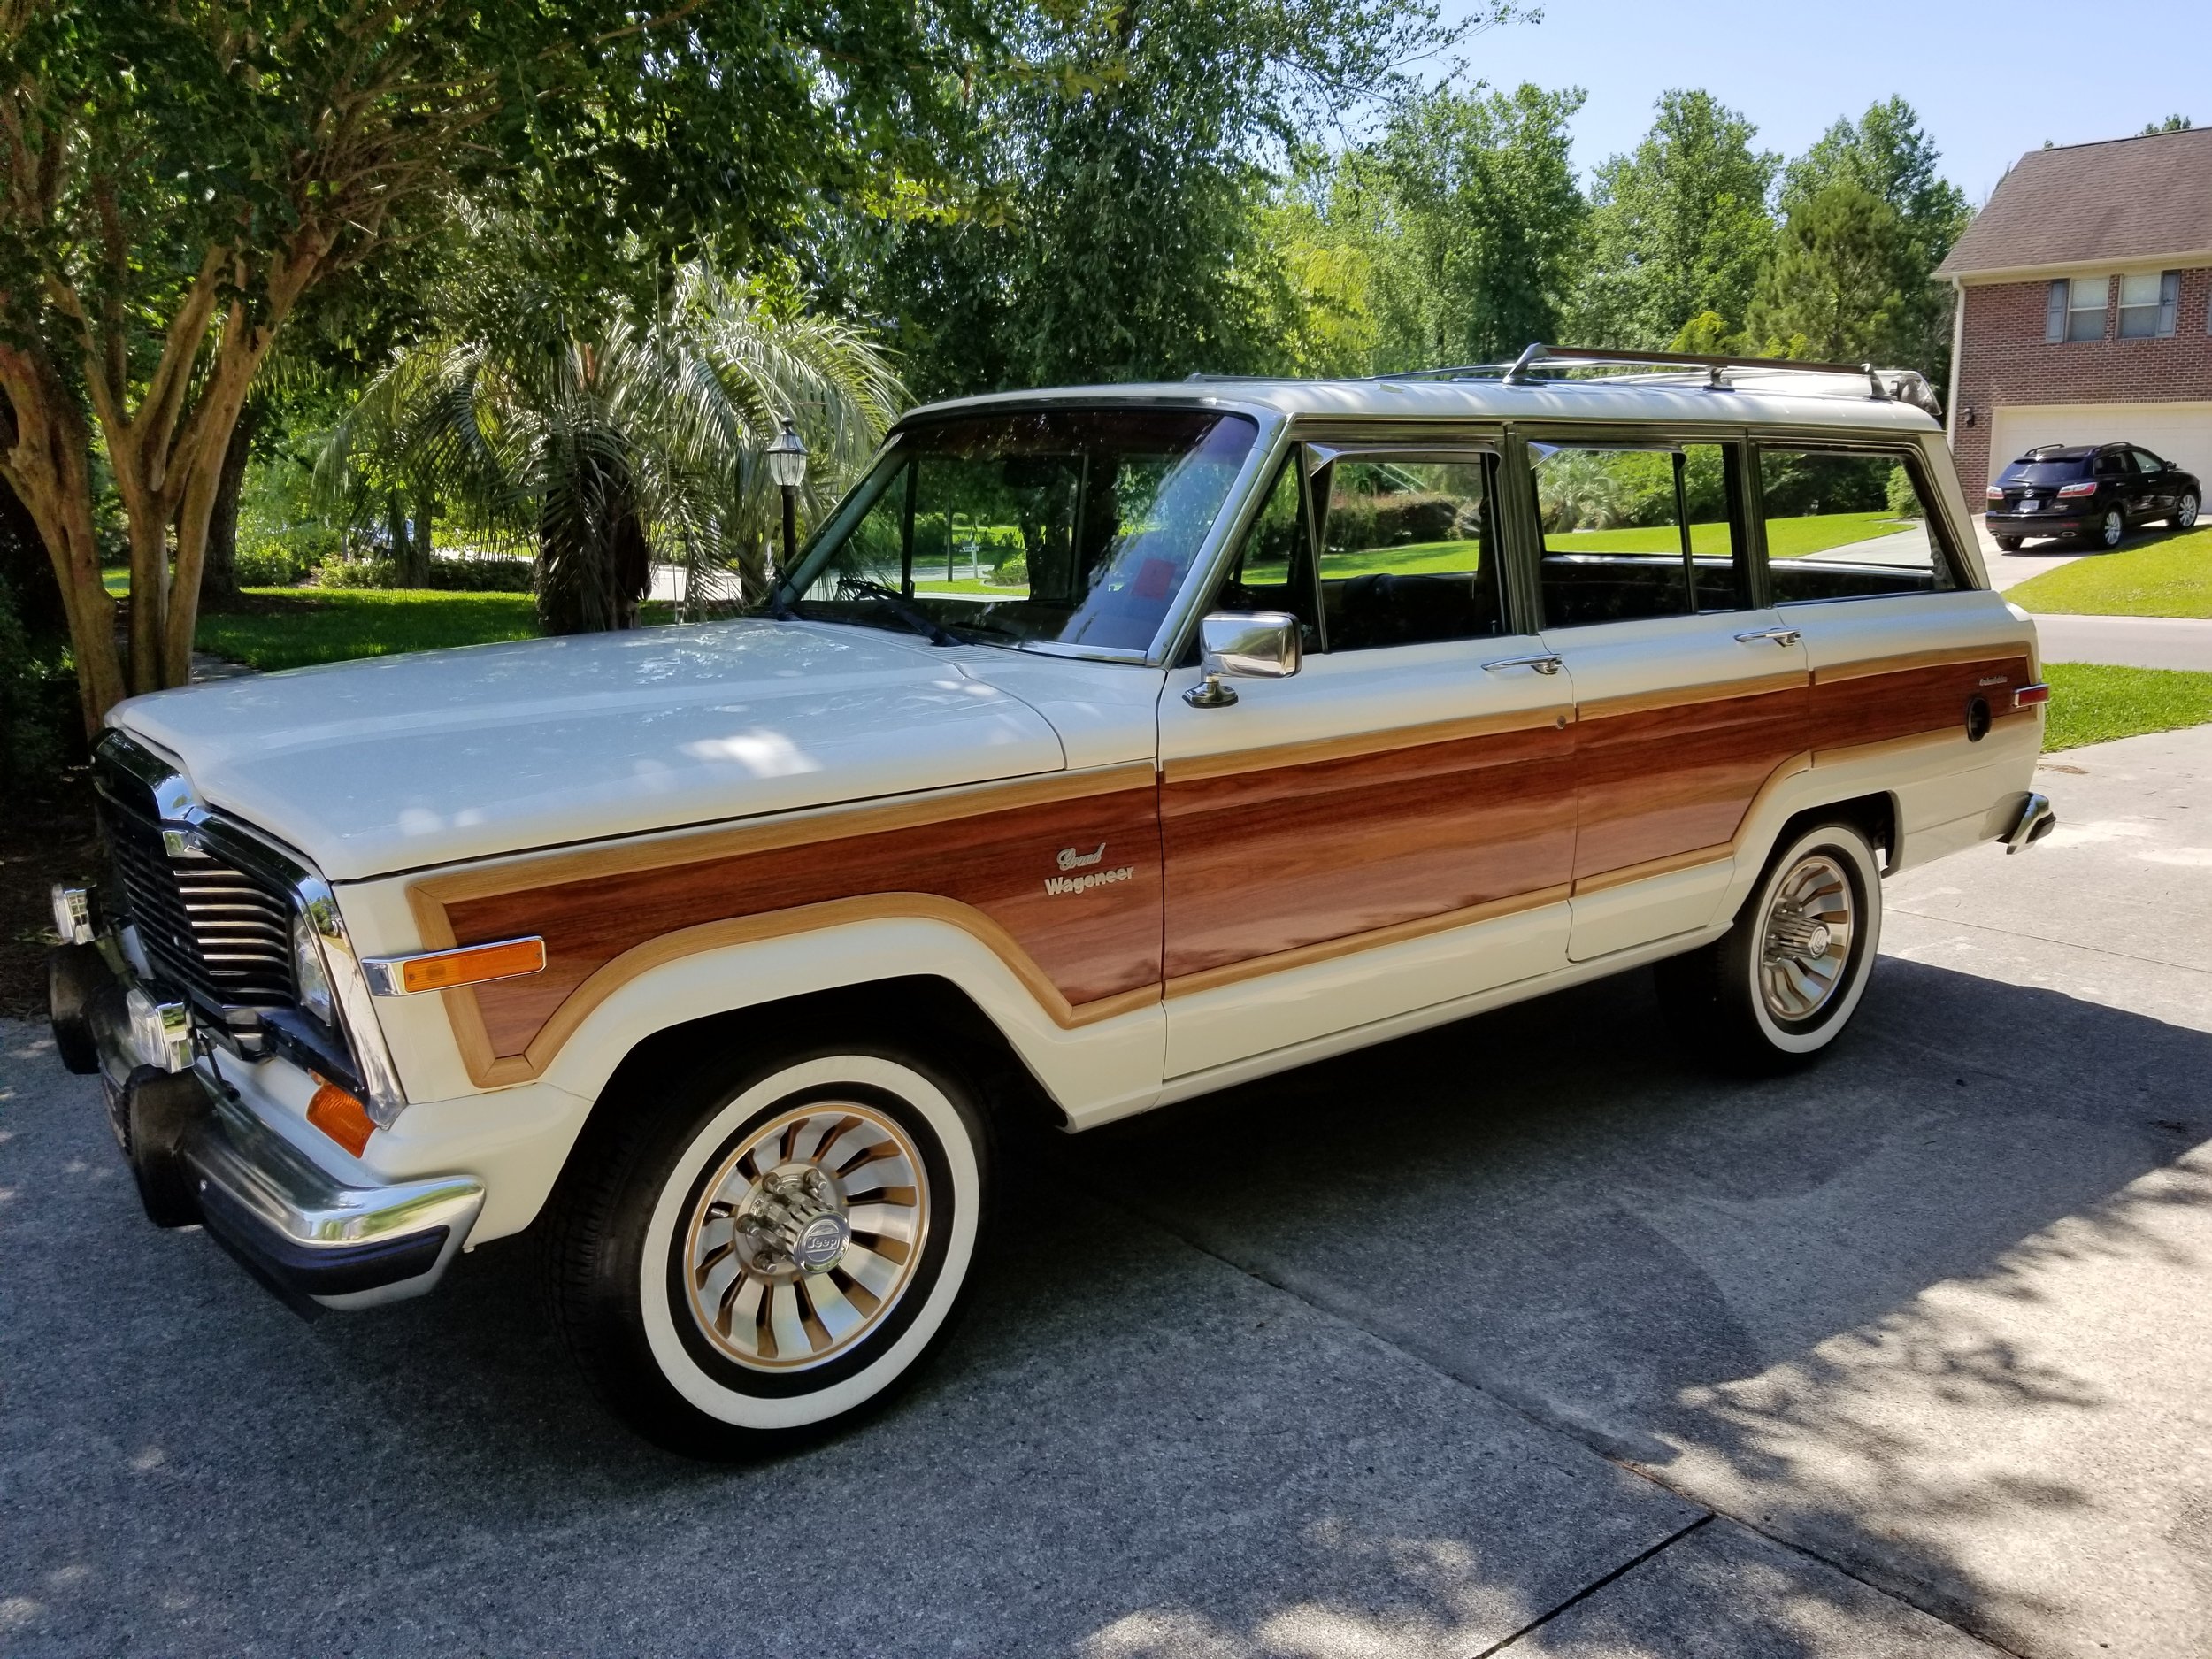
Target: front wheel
{"x":2184,"y":514}
{"x":778,"y":1247}
{"x":1782,"y":984}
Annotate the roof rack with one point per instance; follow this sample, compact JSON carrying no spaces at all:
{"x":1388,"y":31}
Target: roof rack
{"x":1906,"y":385}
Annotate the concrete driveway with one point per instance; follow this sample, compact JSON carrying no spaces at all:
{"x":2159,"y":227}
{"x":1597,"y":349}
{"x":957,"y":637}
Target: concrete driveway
{"x":1521,"y":1336}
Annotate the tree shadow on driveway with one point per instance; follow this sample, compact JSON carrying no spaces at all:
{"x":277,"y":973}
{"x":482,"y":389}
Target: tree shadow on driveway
{"x":1789,"y":1298}
{"x":1922,"y":1308}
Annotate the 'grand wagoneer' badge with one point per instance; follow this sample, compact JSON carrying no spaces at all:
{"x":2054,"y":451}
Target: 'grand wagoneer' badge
{"x":1075,"y":858}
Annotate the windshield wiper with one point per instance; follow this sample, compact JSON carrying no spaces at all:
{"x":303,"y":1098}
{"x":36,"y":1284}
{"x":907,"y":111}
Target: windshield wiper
{"x":901,"y":607}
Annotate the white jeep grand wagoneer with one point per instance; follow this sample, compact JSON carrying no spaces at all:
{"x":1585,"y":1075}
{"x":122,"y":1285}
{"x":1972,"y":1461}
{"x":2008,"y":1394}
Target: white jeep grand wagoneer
{"x":1104,"y":747}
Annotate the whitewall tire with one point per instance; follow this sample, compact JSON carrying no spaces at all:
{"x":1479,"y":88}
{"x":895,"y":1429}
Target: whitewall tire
{"x":1783,"y":982}
{"x":776,"y":1248}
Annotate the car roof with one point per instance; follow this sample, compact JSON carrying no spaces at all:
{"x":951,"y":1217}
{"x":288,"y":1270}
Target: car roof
{"x":1779,"y":398}
{"x":2062,"y":452}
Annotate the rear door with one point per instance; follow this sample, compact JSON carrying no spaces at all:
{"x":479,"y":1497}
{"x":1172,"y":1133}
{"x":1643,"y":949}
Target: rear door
{"x":2158,"y":485}
{"x":1326,"y":834}
{"x":1689,"y":694}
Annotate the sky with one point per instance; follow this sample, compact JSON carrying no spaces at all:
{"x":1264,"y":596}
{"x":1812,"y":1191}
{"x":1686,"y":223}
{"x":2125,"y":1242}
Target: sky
{"x":1989,"y":80}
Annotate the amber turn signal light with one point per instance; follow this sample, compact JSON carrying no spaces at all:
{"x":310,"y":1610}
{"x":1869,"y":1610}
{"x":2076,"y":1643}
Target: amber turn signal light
{"x":341,"y":1116}
{"x":442,"y":969}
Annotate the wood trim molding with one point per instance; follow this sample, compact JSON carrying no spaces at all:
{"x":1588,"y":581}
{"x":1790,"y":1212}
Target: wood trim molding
{"x":1319,"y":750}
{"x":1697,"y":856}
{"x":783,"y":829}
{"x":1906,"y":662}
{"x":1689,"y":696}
{"x":1351,"y":944}
{"x":489,"y":1070}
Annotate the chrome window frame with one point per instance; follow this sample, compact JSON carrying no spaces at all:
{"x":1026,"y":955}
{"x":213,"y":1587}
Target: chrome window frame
{"x":239,"y":843}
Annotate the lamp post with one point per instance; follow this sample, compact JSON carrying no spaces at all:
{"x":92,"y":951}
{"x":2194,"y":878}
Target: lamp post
{"x":786,"y":465}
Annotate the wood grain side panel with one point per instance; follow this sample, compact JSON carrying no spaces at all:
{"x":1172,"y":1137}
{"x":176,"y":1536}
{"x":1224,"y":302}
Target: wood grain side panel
{"x":1659,"y":782}
{"x":1265,"y":862}
{"x":1903,"y":702}
{"x":1100,"y":943}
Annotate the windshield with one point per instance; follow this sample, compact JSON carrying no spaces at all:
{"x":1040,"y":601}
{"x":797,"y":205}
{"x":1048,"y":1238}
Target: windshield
{"x":2035,"y":475}
{"x":1068,"y":526}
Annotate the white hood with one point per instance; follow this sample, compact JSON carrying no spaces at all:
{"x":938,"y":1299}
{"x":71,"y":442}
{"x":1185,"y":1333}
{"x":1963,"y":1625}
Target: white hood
{"x":395,"y":763}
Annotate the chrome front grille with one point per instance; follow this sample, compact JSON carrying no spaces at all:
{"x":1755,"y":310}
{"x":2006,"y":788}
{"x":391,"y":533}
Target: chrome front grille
{"x":204,"y":924}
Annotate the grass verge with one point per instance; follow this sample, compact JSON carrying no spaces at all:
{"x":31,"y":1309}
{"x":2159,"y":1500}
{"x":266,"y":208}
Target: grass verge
{"x":291,"y":628}
{"x":2169,"y":577}
{"x":2092,"y":703}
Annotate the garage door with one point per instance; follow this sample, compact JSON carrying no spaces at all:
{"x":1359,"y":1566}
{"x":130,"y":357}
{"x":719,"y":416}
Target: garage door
{"x":2180,"y":432}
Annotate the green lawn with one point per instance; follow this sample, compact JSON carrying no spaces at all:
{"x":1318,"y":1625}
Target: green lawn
{"x":2171,"y":576}
{"x":2093,"y":703}
{"x":289,"y":627}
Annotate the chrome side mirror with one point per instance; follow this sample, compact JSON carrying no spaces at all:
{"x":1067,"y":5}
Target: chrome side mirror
{"x":1243,"y":644}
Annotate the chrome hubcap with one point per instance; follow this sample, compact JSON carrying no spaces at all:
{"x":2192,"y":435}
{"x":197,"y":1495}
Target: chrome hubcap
{"x":2188,"y":511}
{"x":2111,"y":528}
{"x":1806,"y":943}
{"x":807,"y":1235}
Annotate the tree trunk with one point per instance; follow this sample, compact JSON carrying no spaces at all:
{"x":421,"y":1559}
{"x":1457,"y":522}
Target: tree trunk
{"x":395,"y":538}
{"x":422,"y":546}
{"x":219,"y":579}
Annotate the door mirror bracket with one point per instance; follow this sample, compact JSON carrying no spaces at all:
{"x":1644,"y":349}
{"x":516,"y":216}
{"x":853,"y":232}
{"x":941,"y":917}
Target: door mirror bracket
{"x":1245,"y":645}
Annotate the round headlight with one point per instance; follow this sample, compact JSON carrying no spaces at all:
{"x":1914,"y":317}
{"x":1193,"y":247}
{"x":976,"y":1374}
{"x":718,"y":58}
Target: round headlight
{"x":309,"y":977}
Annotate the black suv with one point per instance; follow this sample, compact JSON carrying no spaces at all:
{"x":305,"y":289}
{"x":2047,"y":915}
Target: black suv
{"x":2091,"y":495}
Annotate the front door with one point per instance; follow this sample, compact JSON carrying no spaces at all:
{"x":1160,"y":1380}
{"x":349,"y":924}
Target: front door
{"x":1687,"y":700}
{"x":1327,"y":835}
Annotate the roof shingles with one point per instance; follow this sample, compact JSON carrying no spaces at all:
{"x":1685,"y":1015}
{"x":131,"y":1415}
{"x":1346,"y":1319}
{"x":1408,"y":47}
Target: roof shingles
{"x":2125,"y":199}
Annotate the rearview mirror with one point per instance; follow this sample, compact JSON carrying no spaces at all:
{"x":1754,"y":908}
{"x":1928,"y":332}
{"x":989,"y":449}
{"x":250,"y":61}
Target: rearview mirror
{"x":1243,"y":644}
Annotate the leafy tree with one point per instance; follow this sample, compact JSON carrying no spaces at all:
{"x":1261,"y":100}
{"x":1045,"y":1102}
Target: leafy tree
{"x":2171,"y":124}
{"x":178,"y":177}
{"x":1886,"y":153}
{"x":606,"y":440}
{"x":1679,"y":227}
{"x":1831,"y":290}
{"x":1110,"y":228}
{"x":1482,"y":225}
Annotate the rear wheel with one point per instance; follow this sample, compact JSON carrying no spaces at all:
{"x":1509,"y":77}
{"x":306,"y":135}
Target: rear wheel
{"x":2009,"y":543}
{"x":2111,"y":529}
{"x":1782,"y":984}
{"x":776,"y":1250}
{"x":2184,"y":513}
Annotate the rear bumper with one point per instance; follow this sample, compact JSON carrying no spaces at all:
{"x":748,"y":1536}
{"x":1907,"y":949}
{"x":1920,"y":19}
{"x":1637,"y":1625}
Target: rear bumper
{"x":206,"y":1147}
{"x":2042,"y":523}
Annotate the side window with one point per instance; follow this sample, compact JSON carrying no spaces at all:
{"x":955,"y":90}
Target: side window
{"x":1848,"y":525}
{"x":1630,"y":534}
{"x":1407,"y":553}
{"x":1273,"y":569}
{"x":2147,"y":463}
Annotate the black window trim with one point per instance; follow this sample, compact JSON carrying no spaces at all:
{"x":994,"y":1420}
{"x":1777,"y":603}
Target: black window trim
{"x":1943,"y":540}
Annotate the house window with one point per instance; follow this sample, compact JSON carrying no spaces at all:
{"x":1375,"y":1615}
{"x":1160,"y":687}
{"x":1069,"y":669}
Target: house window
{"x":2148,"y":301}
{"x":2085,"y":299}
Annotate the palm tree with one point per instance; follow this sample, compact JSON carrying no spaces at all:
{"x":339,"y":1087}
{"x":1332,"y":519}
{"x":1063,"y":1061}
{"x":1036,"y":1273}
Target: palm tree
{"x":612,"y":444}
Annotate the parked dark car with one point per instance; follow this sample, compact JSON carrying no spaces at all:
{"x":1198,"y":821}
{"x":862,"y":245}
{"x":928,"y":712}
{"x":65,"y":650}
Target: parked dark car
{"x":2091,"y":495}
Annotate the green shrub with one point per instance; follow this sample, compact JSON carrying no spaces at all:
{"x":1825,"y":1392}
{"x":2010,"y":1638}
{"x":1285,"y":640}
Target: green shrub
{"x":483,"y":576}
{"x":1011,"y":572}
{"x":461,"y":576}
{"x":357,"y":573}
{"x":271,"y":565}
{"x":37,"y":701}
{"x":1378,"y":521}
{"x":1904,"y":500}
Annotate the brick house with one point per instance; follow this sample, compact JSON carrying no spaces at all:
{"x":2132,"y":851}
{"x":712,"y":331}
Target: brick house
{"x":2085,"y":312}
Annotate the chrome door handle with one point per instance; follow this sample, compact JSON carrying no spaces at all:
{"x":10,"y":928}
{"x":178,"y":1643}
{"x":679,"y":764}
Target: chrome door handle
{"x":1543,"y":663}
{"x":1783,"y":637}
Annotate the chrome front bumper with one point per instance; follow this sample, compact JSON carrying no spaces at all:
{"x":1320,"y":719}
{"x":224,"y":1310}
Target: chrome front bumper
{"x":205,"y":1151}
